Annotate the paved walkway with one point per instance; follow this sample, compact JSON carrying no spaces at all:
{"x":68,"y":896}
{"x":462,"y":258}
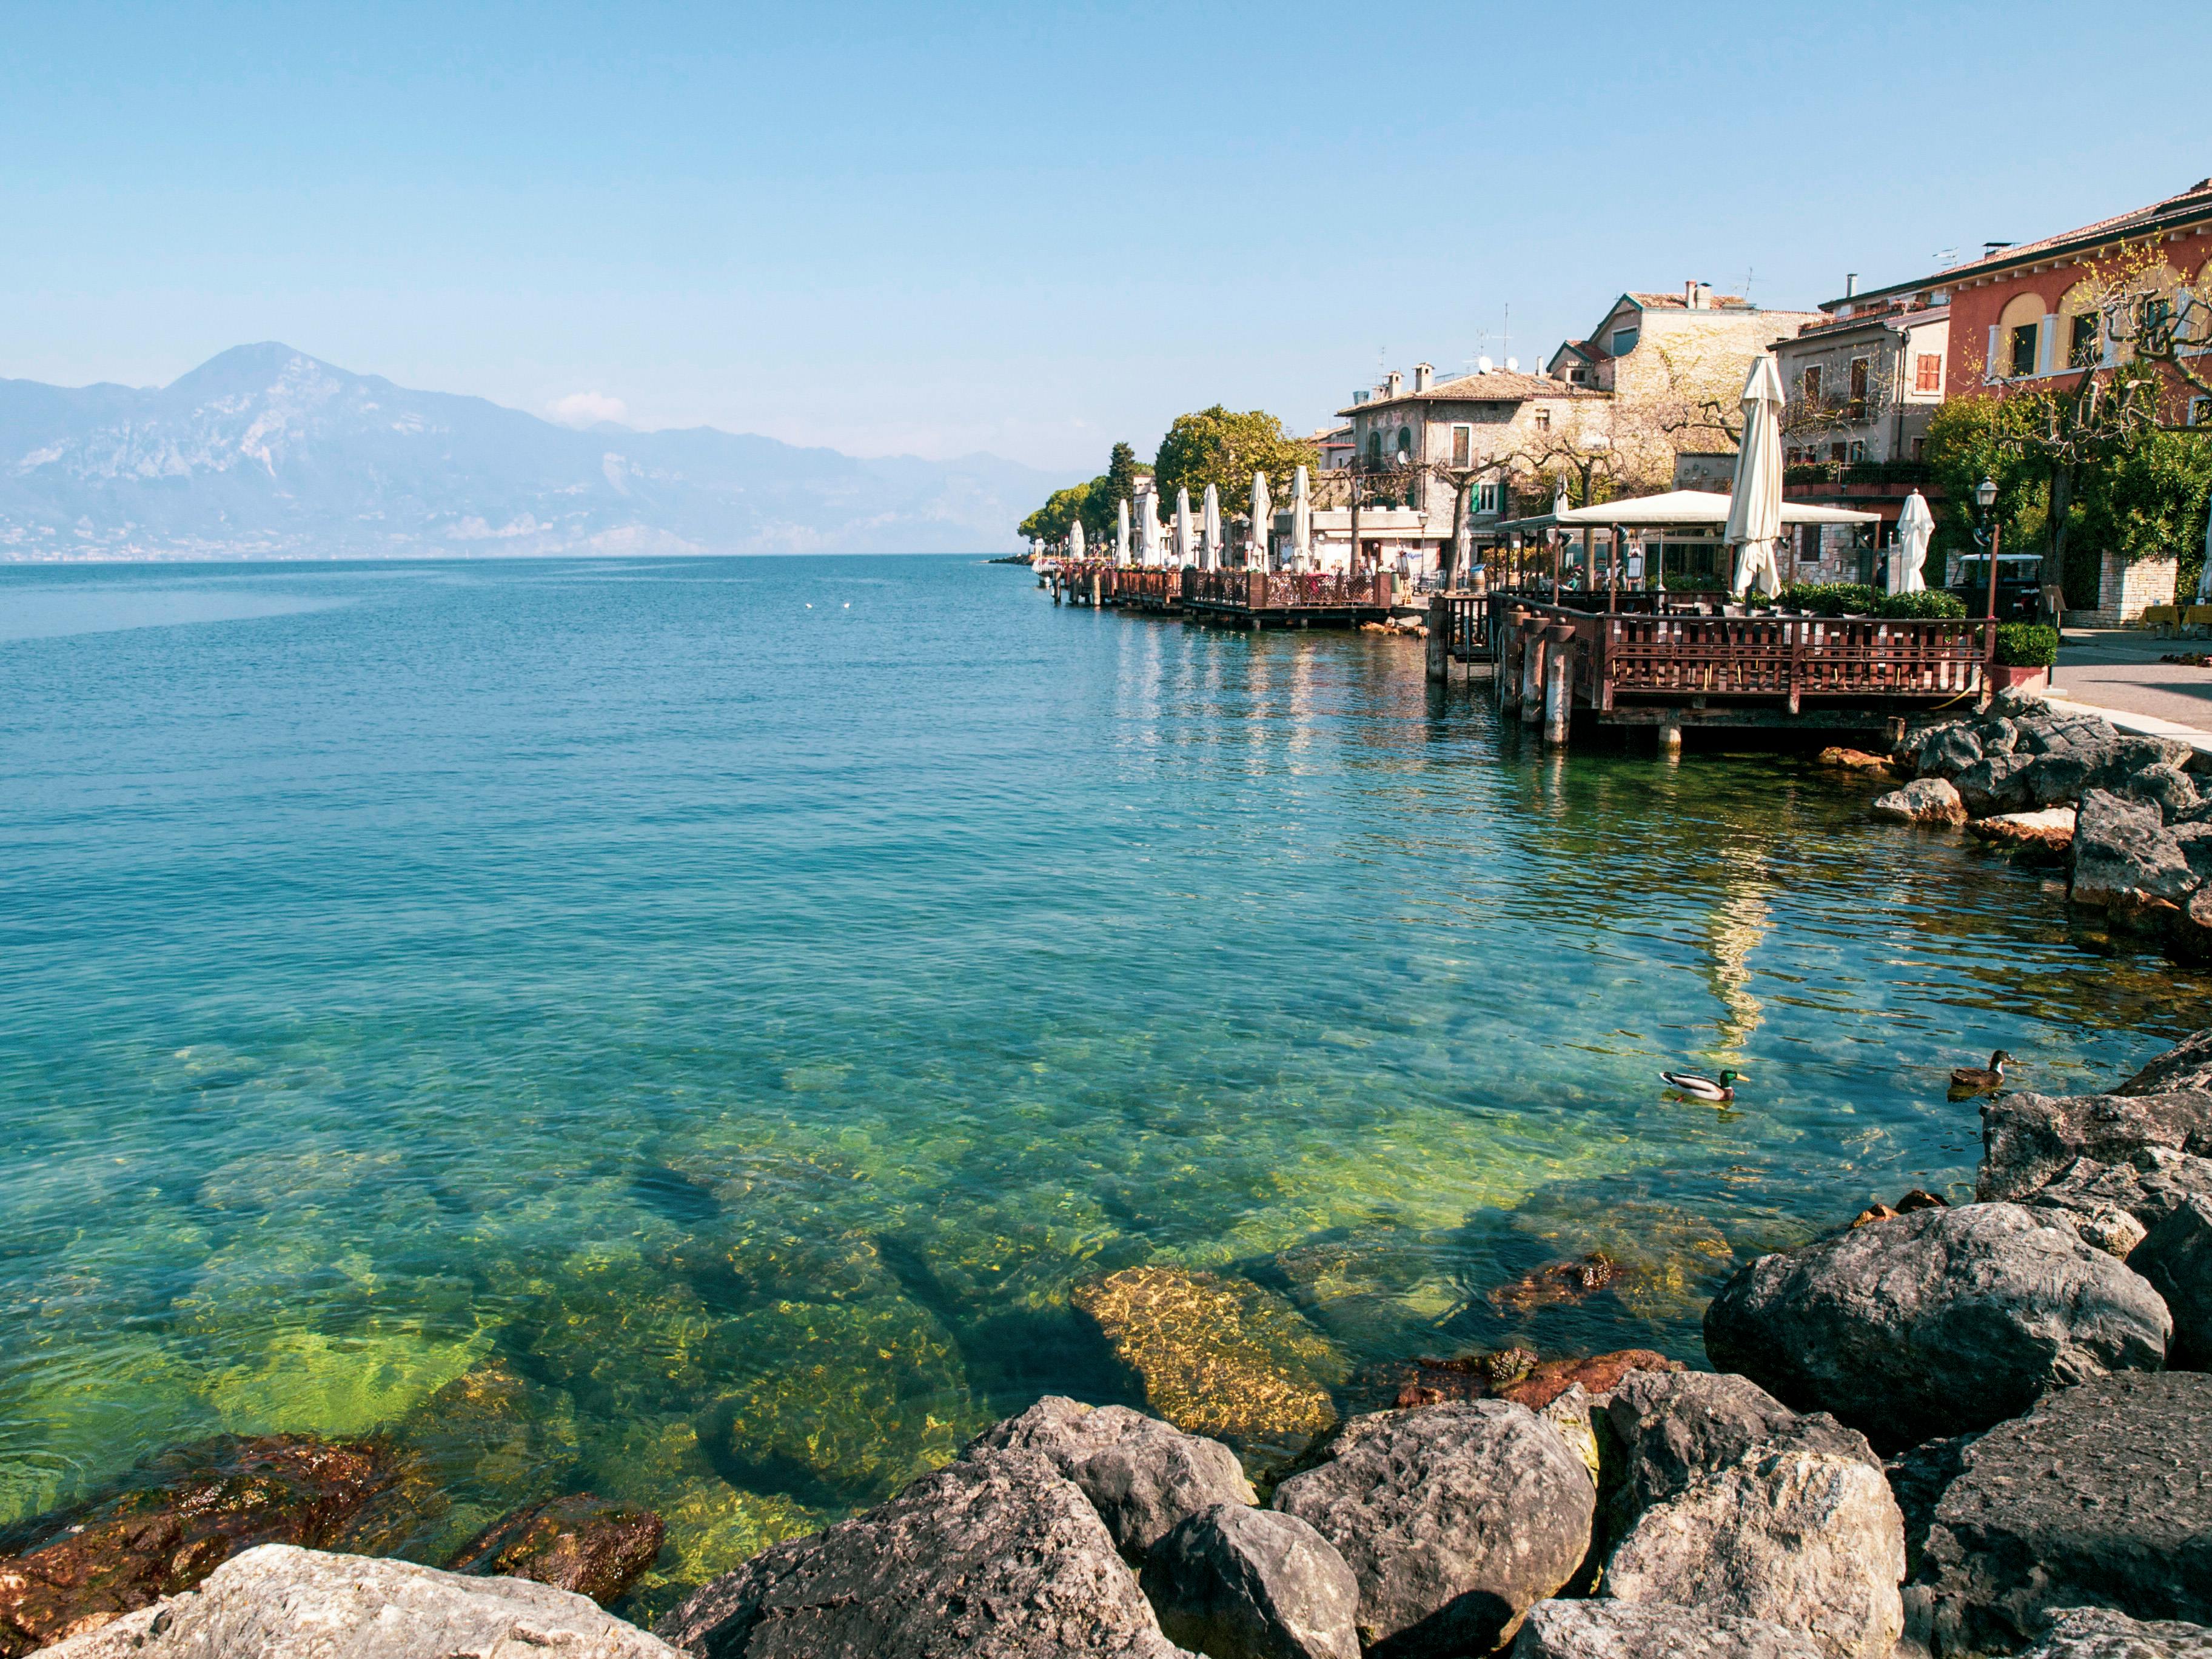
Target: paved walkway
{"x":2116,"y":672}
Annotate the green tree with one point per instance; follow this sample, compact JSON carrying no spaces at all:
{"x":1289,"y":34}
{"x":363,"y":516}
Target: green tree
{"x":1970,"y":439}
{"x":2150,"y":497}
{"x":1220,"y":447}
{"x":1049,"y":523}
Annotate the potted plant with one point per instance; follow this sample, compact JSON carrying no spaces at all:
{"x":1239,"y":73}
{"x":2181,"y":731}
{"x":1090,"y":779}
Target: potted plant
{"x":2026,"y":652}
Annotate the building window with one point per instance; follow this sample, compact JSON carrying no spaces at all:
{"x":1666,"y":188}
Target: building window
{"x":1839,"y":452}
{"x":1919,"y":444}
{"x":1485,"y":498}
{"x":1462,"y":445}
{"x":1405,"y":440}
{"x":1812,"y":383}
{"x":1927,"y":371}
{"x":1623,"y":341}
{"x":1858,"y":449}
{"x":1860,"y":375}
{"x":2081,"y":348}
{"x":1375,"y":447}
{"x":2023,"y":349}
{"x":2200,"y":411}
{"x":1543,"y":420}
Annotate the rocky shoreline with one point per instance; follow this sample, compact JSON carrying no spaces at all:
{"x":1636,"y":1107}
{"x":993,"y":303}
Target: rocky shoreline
{"x":2123,"y":817}
{"x":1938,"y":1430}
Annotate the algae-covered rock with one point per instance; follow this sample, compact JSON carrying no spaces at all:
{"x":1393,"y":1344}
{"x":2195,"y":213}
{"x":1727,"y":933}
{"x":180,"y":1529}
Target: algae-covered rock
{"x":1659,"y":1258}
{"x":712,"y":1528}
{"x":1218,"y":1356}
{"x":578,"y":1543}
{"x":180,"y":1517}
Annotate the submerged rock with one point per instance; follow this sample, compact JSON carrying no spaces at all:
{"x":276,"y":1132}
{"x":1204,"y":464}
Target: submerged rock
{"x":1627,"y":1630}
{"x":2029,"y":1140}
{"x":2095,"y":1497}
{"x":998,"y":1556}
{"x":279,"y":1602}
{"x":184,"y":1515}
{"x":1234,"y":1583}
{"x":1928,"y":801}
{"x":1853,"y":760}
{"x":2045,"y":836}
{"x":578,"y":1543}
{"x":1218,"y":1356}
{"x":1454,"y":1520}
{"x":1935,"y":1324}
{"x":1143,"y":1476}
{"x":2100,"y":1633}
{"x":1468,"y":1376}
{"x":1553,"y":1283}
{"x":1729,"y":1502}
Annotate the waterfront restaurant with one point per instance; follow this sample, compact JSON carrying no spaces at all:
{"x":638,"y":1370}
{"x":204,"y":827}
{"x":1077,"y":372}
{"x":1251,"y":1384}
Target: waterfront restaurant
{"x":1676,"y":537}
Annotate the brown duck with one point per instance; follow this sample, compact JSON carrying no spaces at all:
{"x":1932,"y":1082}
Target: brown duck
{"x":1980,"y":1080}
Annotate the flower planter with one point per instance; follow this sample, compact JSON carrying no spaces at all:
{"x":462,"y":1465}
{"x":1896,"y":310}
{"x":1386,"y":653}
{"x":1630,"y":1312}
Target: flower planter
{"x":2012,"y":675}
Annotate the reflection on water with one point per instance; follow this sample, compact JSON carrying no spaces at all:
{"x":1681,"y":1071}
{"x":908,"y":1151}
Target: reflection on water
{"x":33,"y":613}
{"x":615,"y":1028}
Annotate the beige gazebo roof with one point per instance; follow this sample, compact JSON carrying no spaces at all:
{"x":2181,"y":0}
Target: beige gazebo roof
{"x":1684,"y":506}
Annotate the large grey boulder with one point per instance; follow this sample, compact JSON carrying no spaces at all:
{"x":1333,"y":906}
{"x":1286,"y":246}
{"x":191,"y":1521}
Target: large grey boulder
{"x":1936,"y":1322}
{"x":1455,"y":1519}
{"x":1235,"y":1582}
{"x":1924,"y":800}
{"x":2163,"y":785}
{"x":2096,"y":1496}
{"x":2029,"y":1140}
{"x":1727,"y":1502}
{"x":1918,"y":1478}
{"x":996,"y":1556}
{"x":2176,"y":1260}
{"x":278,"y":1601}
{"x":2129,"y":755}
{"x":2100,"y":1633}
{"x":2122,"y":848}
{"x":2112,"y":1206}
{"x":2059,"y":779}
{"x":1996,"y":783}
{"x":2187,"y":1065}
{"x":1947,"y":750}
{"x":1627,"y":1630}
{"x":2053,"y":731}
{"x":1143,"y":1476}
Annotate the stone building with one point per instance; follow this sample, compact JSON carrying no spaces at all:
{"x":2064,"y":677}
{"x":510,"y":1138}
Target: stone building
{"x":1863,"y":381}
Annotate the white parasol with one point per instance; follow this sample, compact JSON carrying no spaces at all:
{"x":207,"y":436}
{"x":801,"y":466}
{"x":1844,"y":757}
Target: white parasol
{"x":1209,"y":557}
{"x":1182,"y":529}
{"x":1908,"y":556}
{"x":1754,"y":520}
{"x":1122,"y":530}
{"x":1301,"y":523}
{"x":1263,"y":518}
{"x":1151,"y":525}
{"x":1075,"y":541}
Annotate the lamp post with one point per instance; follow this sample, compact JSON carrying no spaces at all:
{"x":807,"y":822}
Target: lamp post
{"x":1988,"y":534}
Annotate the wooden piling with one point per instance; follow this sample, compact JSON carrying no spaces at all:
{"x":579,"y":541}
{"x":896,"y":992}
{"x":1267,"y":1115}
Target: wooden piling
{"x":1439,"y":640}
{"x":1532,"y":672}
{"x":1559,"y":692}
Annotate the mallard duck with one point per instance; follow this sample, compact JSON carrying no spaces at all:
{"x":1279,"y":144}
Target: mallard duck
{"x":1702,"y":1088}
{"x":1974,"y":1080}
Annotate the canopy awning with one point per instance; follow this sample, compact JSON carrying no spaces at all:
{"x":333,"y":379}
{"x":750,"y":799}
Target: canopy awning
{"x":1686,"y":507}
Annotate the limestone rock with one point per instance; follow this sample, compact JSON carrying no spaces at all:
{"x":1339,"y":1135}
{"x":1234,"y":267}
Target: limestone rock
{"x":1569,"y":1414}
{"x":1996,"y":783}
{"x":2100,"y":1633}
{"x":1805,"y":1539}
{"x":2096,"y":1496}
{"x":2131,"y":754}
{"x":1929,"y":801}
{"x":1918,"y":1478}
{"x":2187,"y":1065}
{"x":1218,"y":1356}
{"x":2176,"y":1259}
{"x":1235,"y":1582}
{"x":1454,"y":1519}
{"x":2122,"y":847}
{"x":1853,"y":760}
{"x":2029,"y":1140}
{"x":1144,"y":1477}
{"x":277,"y":1602}
{"x":1936,"y":1322}
{"x":2058,"y":780}
{"x":998,"y":1556}
{"x":579,"y":1543}
{"x":1674,"y":1430}
{"x":2112,"y":1206}
{"x":1627,"y":1630}
{"x":2163,"y":785}
{"x":1947,"y":750}
{"x":2045,"y":835}
{"x":183,"y":1515}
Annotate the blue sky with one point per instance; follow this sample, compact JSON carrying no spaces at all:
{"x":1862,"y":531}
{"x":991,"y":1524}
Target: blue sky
{"x":1027,"y":230}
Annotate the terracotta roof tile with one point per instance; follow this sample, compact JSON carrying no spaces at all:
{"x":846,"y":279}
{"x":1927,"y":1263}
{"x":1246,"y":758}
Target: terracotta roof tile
{"x":1499,"y":387}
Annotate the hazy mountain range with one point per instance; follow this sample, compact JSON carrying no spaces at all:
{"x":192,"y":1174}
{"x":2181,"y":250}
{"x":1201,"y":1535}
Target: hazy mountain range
{"x":264,"y":452}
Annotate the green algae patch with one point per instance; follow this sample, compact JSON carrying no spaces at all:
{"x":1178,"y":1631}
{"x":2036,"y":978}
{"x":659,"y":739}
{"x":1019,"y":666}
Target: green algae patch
{"x":307,"y":1383}
{"x":1218,"y":1356}
{"x":713,"y":1527}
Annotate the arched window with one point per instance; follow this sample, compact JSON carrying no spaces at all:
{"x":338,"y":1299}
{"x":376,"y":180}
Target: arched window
{"x":1405,"y":441}
{"x":1374,"y":446}
{"x":2020,"y":338}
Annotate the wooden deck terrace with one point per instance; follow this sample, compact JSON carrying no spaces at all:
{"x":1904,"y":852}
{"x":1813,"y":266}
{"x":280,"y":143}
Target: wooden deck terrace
{"x":1558,"y":664}
{"x":1239,"y":598}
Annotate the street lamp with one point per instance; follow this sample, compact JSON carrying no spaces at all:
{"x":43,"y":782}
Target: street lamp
{"x":1987,"y":534}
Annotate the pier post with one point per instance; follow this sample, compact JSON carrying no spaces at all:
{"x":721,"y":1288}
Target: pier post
{"x":1670,"y":732}
{"x":1533,"y":645}
{"x":1506,"y":631}
{"x":1559,"y":693}
{"x":1439,"y":639}
{"x":1094,"y":590}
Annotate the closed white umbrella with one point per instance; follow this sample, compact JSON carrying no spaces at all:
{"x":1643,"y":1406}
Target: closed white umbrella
{"x":1075,"y":541}
{"x":1301,"y":522}
{"x":1182,"y":536}
{"x":1151,"y":525}
{"x":1915,"y":525}
{"x":1210,"y":554}
{"x":1754,"y":520}
{"x":1263,"y":517}
{"x":1463,"y":544}
{"x":1122,"y":530}
{"x":2204,"y":576}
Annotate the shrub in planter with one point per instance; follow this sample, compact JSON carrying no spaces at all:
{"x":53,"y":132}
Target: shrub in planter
{"x":1930,"y":604}
{"x":2026,"y":645}
{"x":1830,"y":598}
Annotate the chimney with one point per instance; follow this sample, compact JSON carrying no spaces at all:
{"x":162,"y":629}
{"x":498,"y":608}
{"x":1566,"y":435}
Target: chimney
{"x":1989,"y":250}
{"x":1393,"y":384}
{"x":1424,"y":373}
{"x":1690,"y":295}
{"x":1851,"y":283}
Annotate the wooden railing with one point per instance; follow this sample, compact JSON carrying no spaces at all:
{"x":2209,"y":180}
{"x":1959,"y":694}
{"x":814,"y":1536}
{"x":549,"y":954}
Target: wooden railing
{"x":1791,"y":658}
{"x":1465,"y":626}
{"x":1285,"y":590}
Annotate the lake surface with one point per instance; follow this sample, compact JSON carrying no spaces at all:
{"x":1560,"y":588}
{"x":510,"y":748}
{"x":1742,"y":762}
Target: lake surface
{"x":682,"y":1028}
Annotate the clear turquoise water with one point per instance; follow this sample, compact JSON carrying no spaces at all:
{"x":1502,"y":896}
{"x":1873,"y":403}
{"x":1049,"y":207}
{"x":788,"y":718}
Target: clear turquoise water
{"x":728,"y":1004}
